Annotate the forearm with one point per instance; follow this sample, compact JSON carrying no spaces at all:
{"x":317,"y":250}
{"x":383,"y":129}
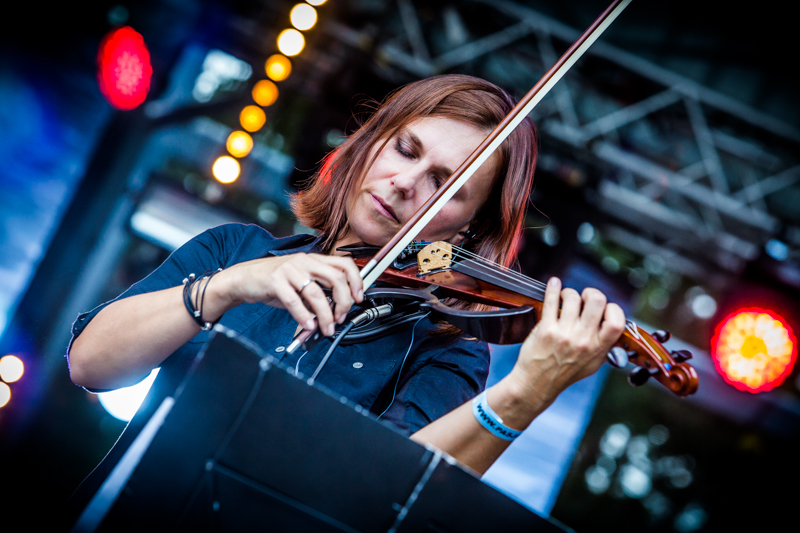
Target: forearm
{"x":131,"y":336}
{"x":563,"y":348}
{"x":460,"y":435}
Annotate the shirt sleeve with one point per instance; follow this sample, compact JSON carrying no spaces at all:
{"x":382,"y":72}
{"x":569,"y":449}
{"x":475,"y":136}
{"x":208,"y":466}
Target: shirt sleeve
{"x":207,"y":251}
{"x":451,"y":376}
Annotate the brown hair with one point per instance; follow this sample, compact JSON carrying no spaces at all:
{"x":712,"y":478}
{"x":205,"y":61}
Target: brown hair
{"x":498,"y":225}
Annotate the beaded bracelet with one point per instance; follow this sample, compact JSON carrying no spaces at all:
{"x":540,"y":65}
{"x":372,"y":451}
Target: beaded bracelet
{"x":196,"y":308}
{"x":490,"y":420}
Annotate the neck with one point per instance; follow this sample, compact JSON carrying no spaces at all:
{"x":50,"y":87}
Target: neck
{"x":349,"y":238}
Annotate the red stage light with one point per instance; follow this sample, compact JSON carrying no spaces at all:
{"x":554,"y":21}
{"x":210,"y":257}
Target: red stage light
{"x":754,"y":349}
{"x":124,"y":69}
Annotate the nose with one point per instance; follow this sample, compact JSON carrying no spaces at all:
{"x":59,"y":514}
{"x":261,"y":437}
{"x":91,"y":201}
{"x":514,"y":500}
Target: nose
{"x":408,"y":181}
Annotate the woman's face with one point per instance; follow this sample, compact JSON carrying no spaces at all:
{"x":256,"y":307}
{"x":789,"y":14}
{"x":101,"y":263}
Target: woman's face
{"x":408,"y":170}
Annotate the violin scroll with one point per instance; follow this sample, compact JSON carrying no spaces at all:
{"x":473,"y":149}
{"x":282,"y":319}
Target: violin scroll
{"x":653,"y":360}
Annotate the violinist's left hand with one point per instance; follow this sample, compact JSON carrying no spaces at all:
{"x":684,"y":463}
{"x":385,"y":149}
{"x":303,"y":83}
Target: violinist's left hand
{"x":562,"y":349}
{"x":568,"y":346}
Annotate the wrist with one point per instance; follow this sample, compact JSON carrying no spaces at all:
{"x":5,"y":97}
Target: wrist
{"x":220,"y":295}
{"x":516,"y":399}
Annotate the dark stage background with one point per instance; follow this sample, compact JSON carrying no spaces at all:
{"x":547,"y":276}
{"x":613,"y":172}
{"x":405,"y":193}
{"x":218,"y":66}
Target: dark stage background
{"x":669,"y":176}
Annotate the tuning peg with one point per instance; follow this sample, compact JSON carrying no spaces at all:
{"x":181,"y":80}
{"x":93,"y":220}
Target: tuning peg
{"x":638,"y":376}
{"x":682,"y":355}
{"x":618,"y":357}
{"x":662,"y":335}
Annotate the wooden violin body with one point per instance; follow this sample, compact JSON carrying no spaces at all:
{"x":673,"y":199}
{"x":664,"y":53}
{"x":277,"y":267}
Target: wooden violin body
{"x":516,"y":312}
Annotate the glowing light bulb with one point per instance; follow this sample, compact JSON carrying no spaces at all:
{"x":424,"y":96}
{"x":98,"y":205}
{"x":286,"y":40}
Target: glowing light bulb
{"x":278,"y":67}
{"x":239,"y":144}
{"x":291,"y":42}
{"x":316,"y":2}
{"x":303,"y":17}
{"x":124,"y":68}
{"x":226,"y":169}
{"x":11,"y":368}
{"x":754,"y":349}
{"x":5,"y":394}
{"x":265,"y":93}
{"x":252,"y":118}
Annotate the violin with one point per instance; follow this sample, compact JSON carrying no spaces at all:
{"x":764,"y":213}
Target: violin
{"x":439,"y":271}
{"x":426,"y":273}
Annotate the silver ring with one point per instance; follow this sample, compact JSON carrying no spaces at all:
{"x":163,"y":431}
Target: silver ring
{"x":303,"y":286}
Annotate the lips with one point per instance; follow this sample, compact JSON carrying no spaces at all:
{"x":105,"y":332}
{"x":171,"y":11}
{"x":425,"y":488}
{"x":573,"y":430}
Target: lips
{"x":384,"y":208}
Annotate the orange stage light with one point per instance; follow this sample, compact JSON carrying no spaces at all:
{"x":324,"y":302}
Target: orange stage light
{"x":265,"y":93}
{"x":754,"y":349}
{"x":278,"y":67}
{"x":239,"y":144}
{"x":252,"y":118}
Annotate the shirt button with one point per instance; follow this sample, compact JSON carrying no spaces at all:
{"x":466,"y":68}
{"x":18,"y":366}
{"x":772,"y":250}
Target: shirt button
{"x":279,"y":349}
{"x":358,"y":365}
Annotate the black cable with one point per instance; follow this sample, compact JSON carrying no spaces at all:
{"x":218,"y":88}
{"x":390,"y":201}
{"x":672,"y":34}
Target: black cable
{"x":334,"y":344}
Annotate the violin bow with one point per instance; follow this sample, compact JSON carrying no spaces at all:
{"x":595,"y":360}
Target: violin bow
{"x":420,"y":219}
{"x":414,"y":225}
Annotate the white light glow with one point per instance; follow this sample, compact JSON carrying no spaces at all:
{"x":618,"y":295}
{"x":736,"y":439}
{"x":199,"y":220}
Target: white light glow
{"x":585,"y":233}
{"x":11,"y":368}
{"x":5,"y":394}
{"x":704,"y":306}
{"x":219,"y":68}
{"x":226,"y":169}
{"x":291,"y":42}
{"x":303,"y":16}
{"x":123,"y":403}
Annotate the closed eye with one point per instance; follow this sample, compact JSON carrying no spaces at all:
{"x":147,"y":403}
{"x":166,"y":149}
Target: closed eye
{"x":400,"y":149}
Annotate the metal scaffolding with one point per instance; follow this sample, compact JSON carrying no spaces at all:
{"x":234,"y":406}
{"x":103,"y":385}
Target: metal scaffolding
{"x":685,"y":170}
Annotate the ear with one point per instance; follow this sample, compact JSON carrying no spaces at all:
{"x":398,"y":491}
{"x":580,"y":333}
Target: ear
{"x":465,"y":233}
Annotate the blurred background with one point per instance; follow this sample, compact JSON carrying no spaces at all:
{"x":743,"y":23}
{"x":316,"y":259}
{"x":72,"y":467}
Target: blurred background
{"x":669,"y":177}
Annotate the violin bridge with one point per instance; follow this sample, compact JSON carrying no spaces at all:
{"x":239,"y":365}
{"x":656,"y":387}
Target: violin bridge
{"x":435,"y":256}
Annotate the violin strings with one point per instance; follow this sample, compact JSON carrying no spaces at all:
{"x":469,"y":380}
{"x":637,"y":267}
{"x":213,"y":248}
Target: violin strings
{"x":518,"y":277}
{"x":511,"y":276}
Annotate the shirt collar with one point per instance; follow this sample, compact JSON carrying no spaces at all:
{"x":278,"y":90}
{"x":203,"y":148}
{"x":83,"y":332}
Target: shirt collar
{"x":301,"y":243}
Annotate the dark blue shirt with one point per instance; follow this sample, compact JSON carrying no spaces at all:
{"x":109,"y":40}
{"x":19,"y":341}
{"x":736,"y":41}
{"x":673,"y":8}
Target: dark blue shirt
{"x":431,"y":374}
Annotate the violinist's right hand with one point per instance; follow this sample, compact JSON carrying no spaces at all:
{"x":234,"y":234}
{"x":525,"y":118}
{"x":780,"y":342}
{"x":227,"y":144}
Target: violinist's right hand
{"x":133,"y":335}
{"x":294,"y":282}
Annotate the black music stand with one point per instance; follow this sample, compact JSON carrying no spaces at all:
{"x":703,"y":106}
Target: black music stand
{"x":275,"y":453}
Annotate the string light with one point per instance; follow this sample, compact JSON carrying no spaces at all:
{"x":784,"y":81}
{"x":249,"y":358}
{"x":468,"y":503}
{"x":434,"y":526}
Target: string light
{"x":303,"y":17}
{"x":11,"y":368}
{"x":291,"y":42}
{"x":278,"y":67}
{"x":239,"y":144}
{"x":265,"y":93}
{"x":252,"y":118}
{"x":226,"y":169}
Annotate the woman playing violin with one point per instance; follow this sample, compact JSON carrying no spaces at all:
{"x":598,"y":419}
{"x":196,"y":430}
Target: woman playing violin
{"x":422,"y":378}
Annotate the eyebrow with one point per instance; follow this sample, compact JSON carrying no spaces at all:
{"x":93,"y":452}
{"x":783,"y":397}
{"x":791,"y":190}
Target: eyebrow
{"x":419,"y":146}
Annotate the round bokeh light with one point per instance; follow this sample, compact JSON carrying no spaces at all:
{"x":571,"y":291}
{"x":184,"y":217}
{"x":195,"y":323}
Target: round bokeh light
{"x":11,"y":368}
{"x":124,"y":69}
{"x":754,"y":349}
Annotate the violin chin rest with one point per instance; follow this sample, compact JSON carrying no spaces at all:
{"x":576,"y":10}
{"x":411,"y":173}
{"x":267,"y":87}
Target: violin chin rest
{"x":502,"y":326}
